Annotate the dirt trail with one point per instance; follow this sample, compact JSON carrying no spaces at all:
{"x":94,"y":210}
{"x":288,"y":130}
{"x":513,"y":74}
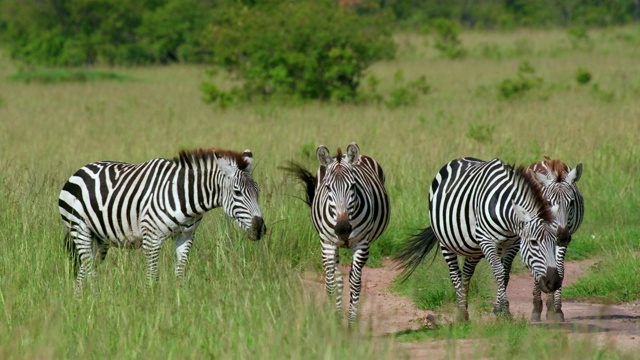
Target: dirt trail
{"x":387,"y":313}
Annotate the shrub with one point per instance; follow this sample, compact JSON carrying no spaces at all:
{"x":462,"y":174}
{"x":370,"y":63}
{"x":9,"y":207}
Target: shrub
{"x":583,"y":76}
{"x":524,"y":82}
{"x":447,"y":40}
{"x":280,"y":52}
{"x":406,"y":93}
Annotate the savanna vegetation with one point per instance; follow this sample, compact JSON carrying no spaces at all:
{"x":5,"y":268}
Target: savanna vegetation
{"x":423,"y":99}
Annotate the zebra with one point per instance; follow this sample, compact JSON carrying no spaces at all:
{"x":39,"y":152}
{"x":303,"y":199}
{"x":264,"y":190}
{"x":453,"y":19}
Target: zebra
{"x":487,"y":209}
{"x":109,"y":203}
{"x":559,"y":187}
{"x":350,"y":209}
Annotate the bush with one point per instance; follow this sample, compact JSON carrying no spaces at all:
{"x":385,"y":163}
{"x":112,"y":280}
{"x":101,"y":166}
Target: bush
{"x":583,"y":76}
{"x":447,"y":40}
{"x":524,"y":82}
{"x":280,"y":52}
{"x":406,"y":93}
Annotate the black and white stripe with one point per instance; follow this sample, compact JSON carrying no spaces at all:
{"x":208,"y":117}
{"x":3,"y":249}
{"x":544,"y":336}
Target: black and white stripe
{"x":350,"y":209}
{"x":559,"y":188}
{"x":487,"y":210}
{"x":118,"y":204}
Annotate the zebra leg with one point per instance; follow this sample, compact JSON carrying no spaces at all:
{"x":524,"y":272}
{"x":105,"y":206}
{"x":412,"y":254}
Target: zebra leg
{"x":85,"y":246}
{"x":536,"y":313}
{"x":183,"y":245}
{"x":360,"y":257}
{"x":462,"y":314}
{"x":468,"y":269}
{"x":103,"y":248}
{"x":507,"y":261}
{"x":489,"y":250}
{"x":333,"y":276}
{"x":554,"y":303}
{"x":151,"y":246}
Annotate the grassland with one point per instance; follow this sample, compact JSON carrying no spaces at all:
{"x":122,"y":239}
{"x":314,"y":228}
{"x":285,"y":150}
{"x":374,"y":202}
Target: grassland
{"x":244,"y":299}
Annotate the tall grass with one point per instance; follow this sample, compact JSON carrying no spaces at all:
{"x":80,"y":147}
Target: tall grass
{"x":245,"y":299}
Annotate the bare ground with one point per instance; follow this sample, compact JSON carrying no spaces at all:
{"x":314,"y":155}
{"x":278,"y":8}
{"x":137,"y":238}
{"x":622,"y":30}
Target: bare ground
{"x":385,"y":313}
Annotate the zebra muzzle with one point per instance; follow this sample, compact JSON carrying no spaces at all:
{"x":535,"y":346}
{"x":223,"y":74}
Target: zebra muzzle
{"x":343,"y":227}
{"x":551,"y":281}
{"x":258,"y":228}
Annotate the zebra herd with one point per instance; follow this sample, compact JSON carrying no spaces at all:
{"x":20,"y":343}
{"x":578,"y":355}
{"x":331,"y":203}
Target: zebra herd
{"x":478,"y":209}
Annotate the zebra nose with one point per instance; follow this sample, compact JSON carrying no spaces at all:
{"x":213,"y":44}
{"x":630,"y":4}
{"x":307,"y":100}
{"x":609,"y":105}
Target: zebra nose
{"x":258,"y":228}
{"x":551,"y":281}
{"x":564,"y":237}
{"x":343,"y":227}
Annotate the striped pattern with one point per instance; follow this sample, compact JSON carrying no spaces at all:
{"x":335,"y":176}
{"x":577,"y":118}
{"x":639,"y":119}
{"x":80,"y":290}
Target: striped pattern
{"x":559,"y":188}
{"x":487,"y":210}
{"x":350,"y":209}
{"x":118,"y":204}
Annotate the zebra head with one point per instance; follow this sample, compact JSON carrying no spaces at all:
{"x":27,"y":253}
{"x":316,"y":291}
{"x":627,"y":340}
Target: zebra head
{"x":538,"y":247}
{"x":240,"y":193}
{"x":338,"y":183}
{"x":559,"y":188}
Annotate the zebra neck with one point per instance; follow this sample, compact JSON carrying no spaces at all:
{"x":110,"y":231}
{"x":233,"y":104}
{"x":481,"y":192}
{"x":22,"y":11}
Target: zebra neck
{"x":199,"y":190}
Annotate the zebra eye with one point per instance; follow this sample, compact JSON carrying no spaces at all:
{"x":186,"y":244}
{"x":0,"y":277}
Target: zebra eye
{"x":237,"y":193}
{"x":533,"y":242}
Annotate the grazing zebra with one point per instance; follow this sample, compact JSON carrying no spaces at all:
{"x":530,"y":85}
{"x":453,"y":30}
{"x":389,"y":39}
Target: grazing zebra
{"x":487,"y":209}
{"x":350,"y":209}
{"x":118,"y":204}
{"x":559,"y":188}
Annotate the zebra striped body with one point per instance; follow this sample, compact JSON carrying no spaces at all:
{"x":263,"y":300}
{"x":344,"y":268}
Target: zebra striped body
{"x":349,"y":208}
{"x":559,"y":188}
{"x":487,"y":210}
{"x":139,"y":205}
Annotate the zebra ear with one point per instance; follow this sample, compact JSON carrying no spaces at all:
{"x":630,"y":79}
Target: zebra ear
{"x":224,"y":165}
{"x":353,"y":153}
{"x":521,"y":213}
{"x":248,"y":157}
{"x":324,"y":157}
{"x":574,"y":175}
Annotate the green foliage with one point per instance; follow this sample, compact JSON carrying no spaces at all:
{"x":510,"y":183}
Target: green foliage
{"x":579,"y":37}
{"x":170,"y":32}
{"x":525,"y":81}
{"x":601,"y":94}
{"x":481,"y":133}
{"x":53,"y":76}
{"x":583,"y":76}
{"x":75,"y":32}
{"x":279,"y":52}
{"x":406,"y":93}
{"x":447,"y":40}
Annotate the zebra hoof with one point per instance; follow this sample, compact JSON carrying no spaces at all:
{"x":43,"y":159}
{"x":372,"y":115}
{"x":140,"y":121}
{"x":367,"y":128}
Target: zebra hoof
{"x":462,"y":316}
{"x":536,"y":316}
{"x":502,"y":313}
{"x":555,"y":316}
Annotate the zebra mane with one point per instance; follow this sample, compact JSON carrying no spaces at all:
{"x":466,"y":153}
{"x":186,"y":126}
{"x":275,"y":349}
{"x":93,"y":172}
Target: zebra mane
{"x":339,"y":155}
{"x":554,"y":169}
{"x":540,"y":203}
{"x":193,"y":156}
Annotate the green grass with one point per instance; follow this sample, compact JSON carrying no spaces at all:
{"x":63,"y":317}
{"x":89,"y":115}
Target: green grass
{"x":508,"y":339}
{"x":245,"y":299}
{"x":53,"y":76}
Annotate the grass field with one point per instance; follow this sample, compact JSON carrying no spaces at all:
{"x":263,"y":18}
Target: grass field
{"x":244,"y":299}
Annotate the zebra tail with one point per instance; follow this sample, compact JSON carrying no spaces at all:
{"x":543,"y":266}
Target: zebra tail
{"x":73,"y":252}
{"x":300,"y":173}
{"x":413,"y":252}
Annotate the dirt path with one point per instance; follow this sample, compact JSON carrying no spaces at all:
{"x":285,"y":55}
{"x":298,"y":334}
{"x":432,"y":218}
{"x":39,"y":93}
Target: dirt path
{"x":386,"y":313}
